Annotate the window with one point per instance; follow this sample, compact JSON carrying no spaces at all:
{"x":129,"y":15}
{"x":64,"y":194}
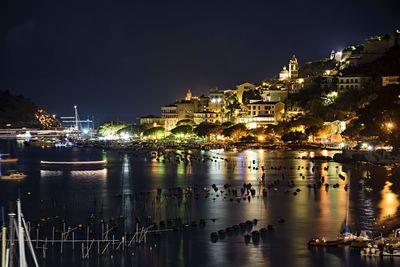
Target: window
{"x":356,"y":80}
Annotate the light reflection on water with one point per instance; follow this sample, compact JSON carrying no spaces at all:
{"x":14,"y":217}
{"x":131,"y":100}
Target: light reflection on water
{"x":312,"y":212}
{"x":389,"y":202}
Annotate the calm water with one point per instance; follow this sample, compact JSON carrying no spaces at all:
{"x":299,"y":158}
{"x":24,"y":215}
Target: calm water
{"x":74,"y":194}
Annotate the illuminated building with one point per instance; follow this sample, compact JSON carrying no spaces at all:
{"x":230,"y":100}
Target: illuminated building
{"x":188,"y":95}
{"x":170,"y":115}
{"x":352,"y":82}
{"x":241,"y":88}
{"x":292,"y":73}
{"x":216,"y":103}
{"x":386,"y":80}
{"x":152,"y":121}
{"x":293,"y":68}
{"x":284,"y":74}
{"x":275,"y":95}
{"x":207,"y":116}
{"x":262,"y":113}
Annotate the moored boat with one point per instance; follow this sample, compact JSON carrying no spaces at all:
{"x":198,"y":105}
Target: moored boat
{"x":370,"y":250}
{"x":7,"y":159}
{"x":13,"y":175}
{"x":322,"y":242}
{"x":362,"y":240}
{"x":94,"y":162}
{"x":390,"y":250}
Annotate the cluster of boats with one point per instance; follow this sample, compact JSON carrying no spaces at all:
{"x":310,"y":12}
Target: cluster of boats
{"x":368,"y":245}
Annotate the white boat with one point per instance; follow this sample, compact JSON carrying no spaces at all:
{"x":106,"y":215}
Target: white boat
{"x":7,"y":159}
{"x":370,"y":250}
{"x":362,"y":240}
{"x":95,"y":162}
{"x":64,"y":144}
{"x":14,"y":176}
{"x":347,"y":237}
{"x":390,"y":250}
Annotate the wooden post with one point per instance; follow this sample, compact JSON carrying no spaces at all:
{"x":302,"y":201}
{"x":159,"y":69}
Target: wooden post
{"x":73,"y":240}
{"x":52,"y":237}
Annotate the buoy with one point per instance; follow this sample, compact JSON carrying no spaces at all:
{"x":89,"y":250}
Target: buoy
{"x":247,"y":238}
{"x":256,"y":236}
{"x":214,"y":237}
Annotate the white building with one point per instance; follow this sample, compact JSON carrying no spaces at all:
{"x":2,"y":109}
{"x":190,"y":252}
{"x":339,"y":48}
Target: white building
{"x":352,"y":82}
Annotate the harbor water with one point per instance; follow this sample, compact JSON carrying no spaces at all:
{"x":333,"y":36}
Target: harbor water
{"x":126,"y":189}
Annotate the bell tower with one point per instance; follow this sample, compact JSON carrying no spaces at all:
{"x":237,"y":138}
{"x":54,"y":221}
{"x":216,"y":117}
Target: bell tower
{"x":188,"y":95}
{"x":293,"y":68}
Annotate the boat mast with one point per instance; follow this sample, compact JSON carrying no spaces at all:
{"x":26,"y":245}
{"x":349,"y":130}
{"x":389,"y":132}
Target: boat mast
{"x":3,"y":241}
{"x":76,"y":118}
{"x":348,"y":200}
{"x":21,"y":240}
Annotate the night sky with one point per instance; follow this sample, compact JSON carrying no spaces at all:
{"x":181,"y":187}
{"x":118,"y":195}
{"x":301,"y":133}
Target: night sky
{"x":124,"y":59}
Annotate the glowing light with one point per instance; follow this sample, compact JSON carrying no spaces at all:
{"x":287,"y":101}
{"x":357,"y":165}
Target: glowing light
{"x":389,"y":202}
{"x":390,"y":125}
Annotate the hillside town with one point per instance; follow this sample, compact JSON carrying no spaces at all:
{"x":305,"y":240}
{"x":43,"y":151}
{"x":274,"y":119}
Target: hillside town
{"x":294,"y":98}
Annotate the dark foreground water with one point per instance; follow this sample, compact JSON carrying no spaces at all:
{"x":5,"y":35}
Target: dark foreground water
{"x":121,"y":190}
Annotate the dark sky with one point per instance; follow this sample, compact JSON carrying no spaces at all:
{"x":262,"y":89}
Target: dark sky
{"x":123,"y":59}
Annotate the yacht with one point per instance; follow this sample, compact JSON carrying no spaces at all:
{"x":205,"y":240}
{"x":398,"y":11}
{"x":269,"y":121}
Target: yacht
{"x":13,"y":175}
{"x":362,"y":240}
{"x":7,"y":159}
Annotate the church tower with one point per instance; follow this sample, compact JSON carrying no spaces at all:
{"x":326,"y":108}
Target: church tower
{"x":293,"y":68}
{"x":188,"y":95}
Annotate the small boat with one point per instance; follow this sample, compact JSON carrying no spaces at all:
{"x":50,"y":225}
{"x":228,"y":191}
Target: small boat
{"x":64,"y":144}
{"x":362,"y":240}
{"x":390,"y":250}
{"x":14,"y":175}
{"x":7,"y":159}
{"x":370,"y":250}
{"x":322,"y":242}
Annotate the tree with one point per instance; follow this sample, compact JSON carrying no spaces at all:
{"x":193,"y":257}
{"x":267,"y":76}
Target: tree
{"x":110,"y":128}
{"x":296,"y":137}
{"x":132,"y":130}
{"x":227,"y":124}
{"x":236,"y":131}
{"x":185,"y":122}
{"x":231,"y":105}
{"x":380,"y":119}
{"x":182,"y":130}
{"x":205,"y":129}
{"x":251,"y":94}
{"x":154,"y":132}
{"x":316,"y":108}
